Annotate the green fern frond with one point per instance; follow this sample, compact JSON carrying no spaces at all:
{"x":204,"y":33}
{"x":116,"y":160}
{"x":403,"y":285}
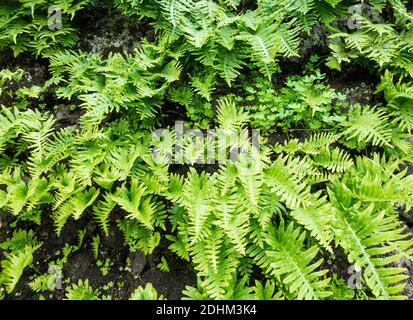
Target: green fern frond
{"x":369,"y":125}
{"x":16,"y":261}
{"x":334,"y":160}
{"x":313,"y":144}
{"x":367,"y":236}
{"x":215,"y":262}
{"x":230,"y":118}
{"x":147,"y":293}
{"x":198,"y":193}
{"x":294,"y":264}
{"x":95,"y":246}
{"x":233,"y":218}
{"x":138,"y":237}
{"x":283,"y":177}
{"x":318,"y":219}
{"x":102,"y":210}
{"x":81,"y":291}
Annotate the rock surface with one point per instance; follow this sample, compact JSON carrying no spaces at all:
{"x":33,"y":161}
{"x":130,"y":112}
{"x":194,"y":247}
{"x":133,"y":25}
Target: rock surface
{"x":139,"y":263}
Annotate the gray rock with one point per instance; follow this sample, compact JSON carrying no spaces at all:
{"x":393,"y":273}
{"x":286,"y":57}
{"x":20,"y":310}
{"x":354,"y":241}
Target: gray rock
{"x":405,"y":263}
{"x":79,"y":266}
{"x":65,"y":116}
{"x":409,"y":168}
{"x":356,"y":91}
{"x":110,"y":34}
{"x":91,"y":227}
{"x":318,"y":37}
{"x":139,"y":263}
{"x":62,"y":113}
{"x":360,"y":92}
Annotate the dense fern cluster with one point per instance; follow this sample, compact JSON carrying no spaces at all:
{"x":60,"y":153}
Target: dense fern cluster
{"x":388,"y":45}
{"x":24,"y":25}
{"x":263,"y":222}
{"x":218,"y":37}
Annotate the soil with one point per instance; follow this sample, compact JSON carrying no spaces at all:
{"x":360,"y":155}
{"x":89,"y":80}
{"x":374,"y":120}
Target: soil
{"x":128,"y":271}
{"x":110,"y":32}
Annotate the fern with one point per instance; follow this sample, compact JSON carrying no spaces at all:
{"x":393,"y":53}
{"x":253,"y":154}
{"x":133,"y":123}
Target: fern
{"x":138,"y":237}
{"x":19,"y":255}
{"x":285,"y":256}
{"x":359,"y":241}
{"x":283,"y":178}
{"x":274,"y":212}
{"x":198,"y":203}
{"x":369,"y":230}
{"x":215,"y":264}
{"x":383,"y":43}
{"x":102,"y":211}
{"x":75,"y":207}
{"x":143,"y":209}
{"x":399,"y":97}
{"x":369,"y":125}
{"x":95,"y":246}
{"x":317,"y":218}
{"x":334,"y":160}
{"x":229,"y":118}
{"x":24,"y":26}
{"x":145,"y":293}
{"x":81,"y":291}
{"x":13,"y":267}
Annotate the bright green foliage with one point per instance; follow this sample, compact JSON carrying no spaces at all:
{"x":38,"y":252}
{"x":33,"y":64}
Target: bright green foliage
{"x":219,"y":38}
{"x":368,"y":125}
{"x":287,"y":258}
{"x":367,"y":226}
{"x":387,"y":43}
{"x":24,"y":25}
{"x":81,"y":291}
{"x":133,"y":82}
{"x":18,"y":255}
{"x":399,"y":97}
{"x":265,"y":222}
{"x":147,"y":293}
{"x":95,"y":246}
{"x":232,"y":221}
{"x":305,"y":102}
